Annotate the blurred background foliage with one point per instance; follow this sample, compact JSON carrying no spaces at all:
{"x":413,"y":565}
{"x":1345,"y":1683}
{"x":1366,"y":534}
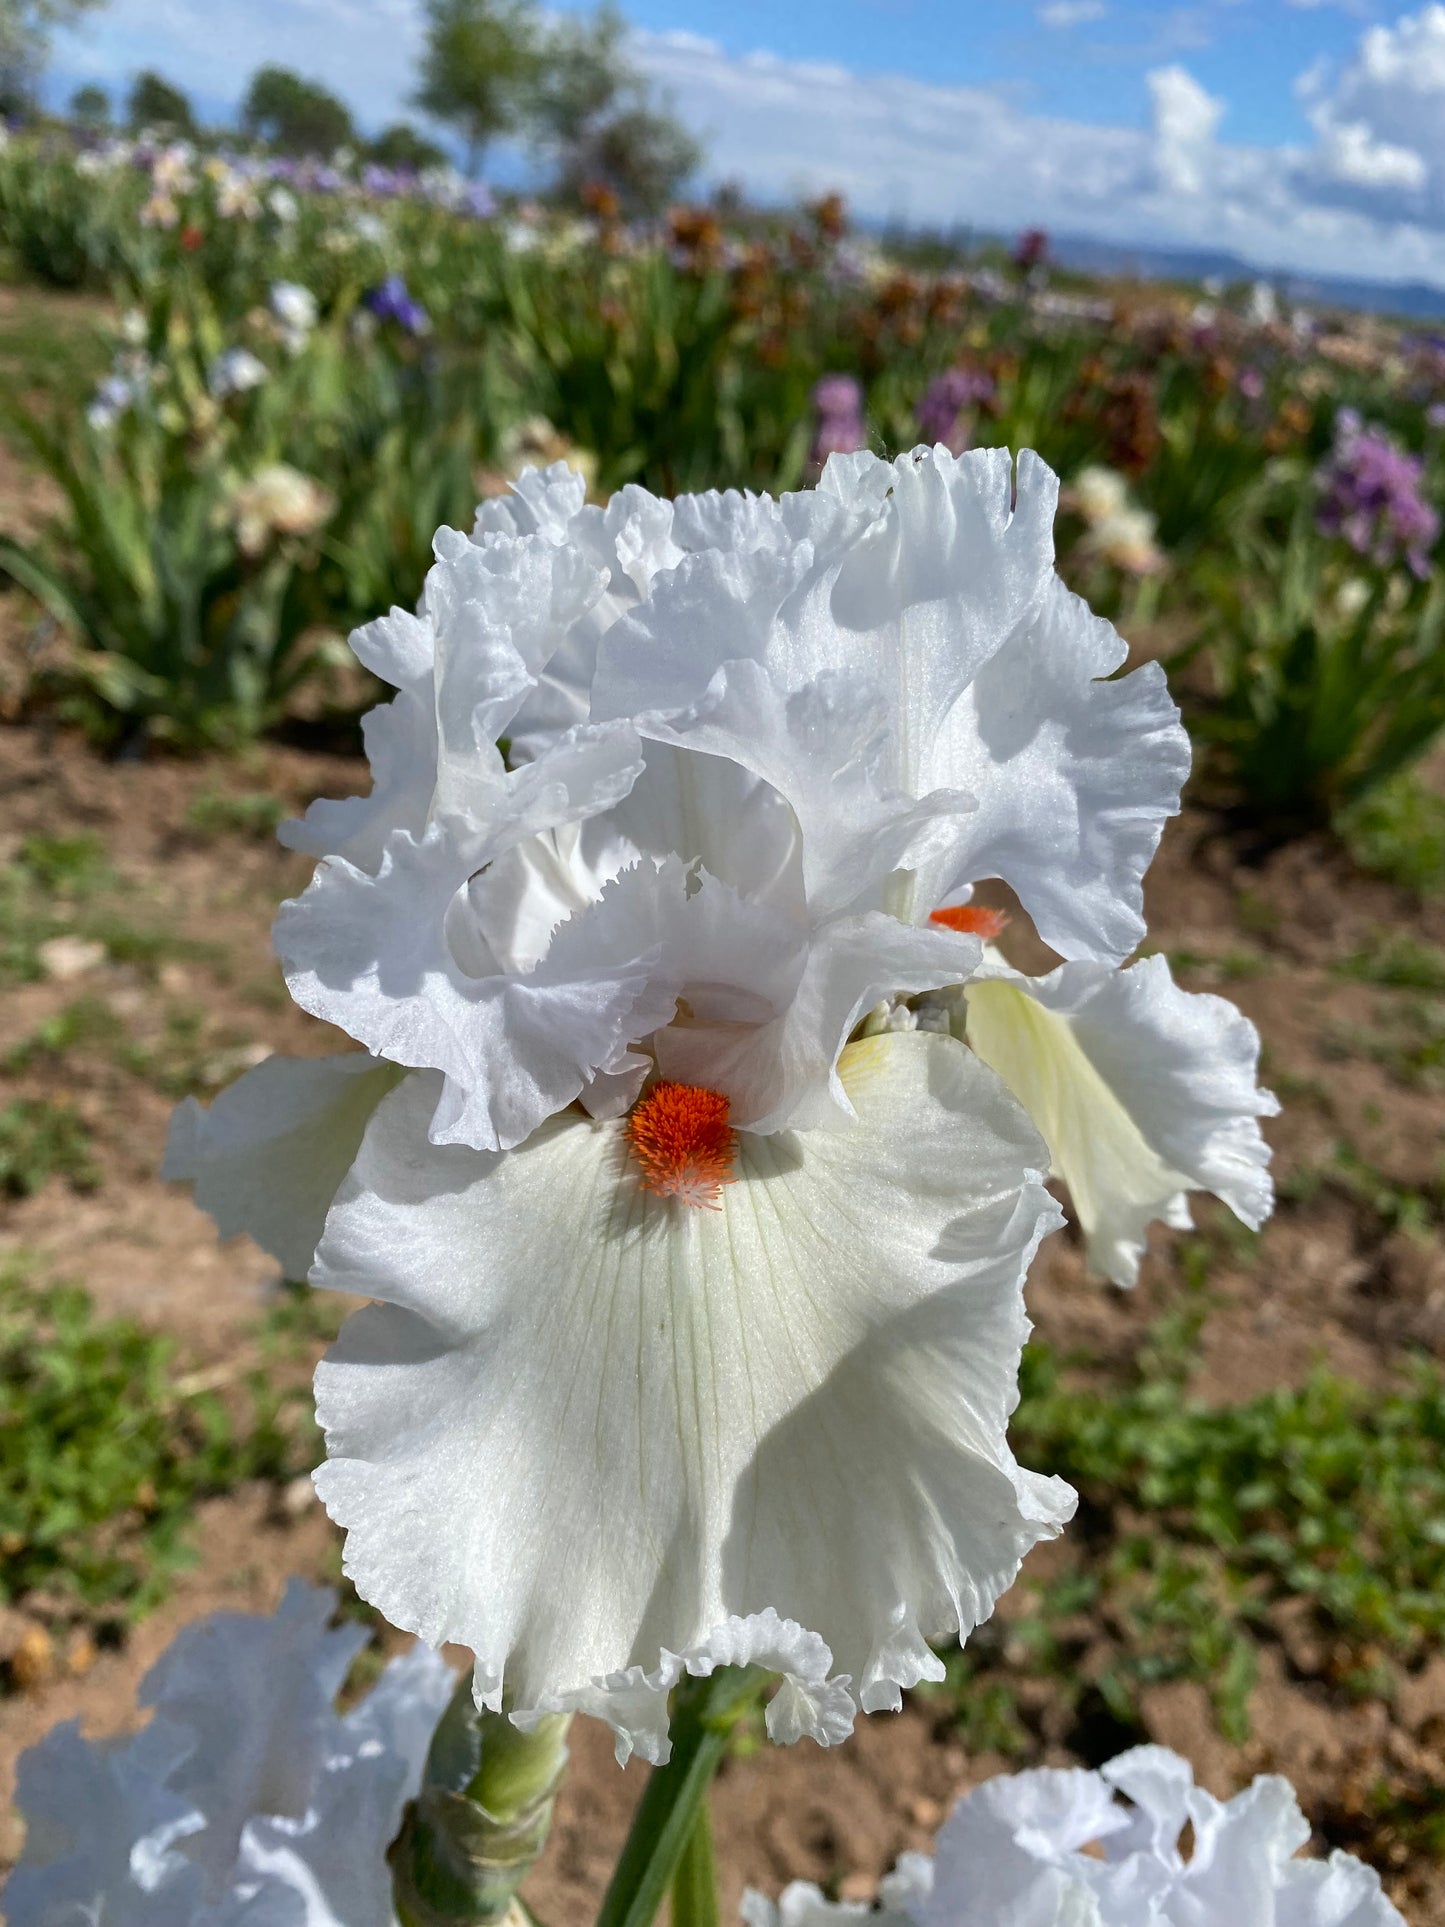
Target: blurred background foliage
{"x":303,"y":351}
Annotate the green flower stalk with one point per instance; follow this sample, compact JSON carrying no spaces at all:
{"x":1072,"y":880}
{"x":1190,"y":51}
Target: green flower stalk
{"x":480,"y":1819}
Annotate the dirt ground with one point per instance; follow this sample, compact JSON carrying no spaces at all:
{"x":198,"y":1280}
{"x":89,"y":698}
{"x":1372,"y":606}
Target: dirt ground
{"x":1332,"y":1282}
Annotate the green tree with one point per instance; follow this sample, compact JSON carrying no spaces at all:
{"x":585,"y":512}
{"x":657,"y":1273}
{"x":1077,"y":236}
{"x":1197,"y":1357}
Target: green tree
{"x":154,"y":102}
{"x":90,"y":107}
{"x":479,"y":68}
{"x":295,"y":115}
{"x":25,"y":30}
{"x":400,"y":145}
{"x":598,"y":117}
{"x":644,"y":155}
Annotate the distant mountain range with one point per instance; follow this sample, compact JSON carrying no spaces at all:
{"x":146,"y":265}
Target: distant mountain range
{"x":1412,"y":300}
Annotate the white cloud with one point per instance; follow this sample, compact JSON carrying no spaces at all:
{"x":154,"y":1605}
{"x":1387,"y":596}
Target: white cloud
{"x":1380,"y":124}
{"x":1185,"y":121}
{"x":1071,"y":13}
{"x":1350,"y":154}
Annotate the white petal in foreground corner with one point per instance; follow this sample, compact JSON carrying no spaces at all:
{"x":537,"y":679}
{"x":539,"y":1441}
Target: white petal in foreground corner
{"x":267,"y":1156}
{"x":1059,"y":1846}
{"x":1143,"y":1091}
{"x":103,"y":1830}
{"x":601,"y":1436}
{"x":246,"y":1798}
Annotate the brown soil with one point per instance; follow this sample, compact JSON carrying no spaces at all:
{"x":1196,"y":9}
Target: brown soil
{"x":1330,"y":1282}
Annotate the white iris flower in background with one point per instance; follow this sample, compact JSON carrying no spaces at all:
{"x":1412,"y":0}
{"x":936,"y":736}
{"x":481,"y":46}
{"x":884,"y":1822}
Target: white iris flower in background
{"x":246,"y":1798}
{"x":698,"y":1310}
{"x":1052,"y":1847}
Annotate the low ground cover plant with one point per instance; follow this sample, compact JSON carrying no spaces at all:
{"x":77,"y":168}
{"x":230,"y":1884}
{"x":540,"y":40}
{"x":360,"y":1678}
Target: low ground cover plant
{"x":106,"y":1449}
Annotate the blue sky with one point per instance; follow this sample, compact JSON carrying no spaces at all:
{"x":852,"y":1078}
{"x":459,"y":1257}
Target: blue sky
{"x":1250,"y":51}
{"x":1300,"y":133}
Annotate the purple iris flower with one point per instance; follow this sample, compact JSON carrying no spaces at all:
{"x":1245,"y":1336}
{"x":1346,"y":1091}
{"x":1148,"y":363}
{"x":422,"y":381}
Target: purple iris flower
{"x":391,"y":301}
{"x":1371,"y":495}
{"x":838,"y":426}
{"x":944,"y":401}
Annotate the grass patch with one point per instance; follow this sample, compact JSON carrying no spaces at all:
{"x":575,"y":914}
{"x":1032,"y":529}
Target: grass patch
{"x":215,"y":814}
{"x":1398,"y":833}
{"x":1198,"y":1525}
{"x":88,"y":1023}
{"x":1407,"y":1042}
{"x":52,"y":342}
{"x":105,"y":1451}
{"x":1395,"y":1207}
{"x":63,"y":886}
{"x":1401,"y":963}
{"x":1234,"y":966}
{"x":43,"y":1138}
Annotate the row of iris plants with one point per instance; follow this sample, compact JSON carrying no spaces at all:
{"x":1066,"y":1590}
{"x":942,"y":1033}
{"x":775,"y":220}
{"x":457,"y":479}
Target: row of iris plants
{"x":311,"y":369}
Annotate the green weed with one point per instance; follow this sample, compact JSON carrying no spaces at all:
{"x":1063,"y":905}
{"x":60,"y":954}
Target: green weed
{"x":215,"y":813}
{"x":43,"y":1138}
{"x":63,"y":886}
{"x":87,"y":1023}
{"x":105,"y":1451}
{"x":1398,"y":833}
{"x":1197,"y":1522}
{"x":1400,"y":963}
{"x":66,"y":866}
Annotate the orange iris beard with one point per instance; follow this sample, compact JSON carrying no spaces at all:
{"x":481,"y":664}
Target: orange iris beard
{"x":971,"y":920}
{"x":681,"y":1137}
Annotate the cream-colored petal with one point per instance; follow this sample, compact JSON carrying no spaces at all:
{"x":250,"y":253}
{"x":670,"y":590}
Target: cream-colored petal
{"x":1143,"y":1092}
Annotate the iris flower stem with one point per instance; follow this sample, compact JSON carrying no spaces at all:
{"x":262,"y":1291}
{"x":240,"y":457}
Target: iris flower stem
{"x":694,"y":1885}
{"x":663,"y":1849}
{"x":479,"y":1821}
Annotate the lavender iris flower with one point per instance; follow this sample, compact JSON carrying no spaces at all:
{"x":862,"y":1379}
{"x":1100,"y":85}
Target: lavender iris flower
{"x":838,"y":408}
{"x":944,"y":401}
{"x":1371,"y":496}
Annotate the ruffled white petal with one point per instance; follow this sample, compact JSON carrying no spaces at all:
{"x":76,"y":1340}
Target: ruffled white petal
{"x":400,"y":738}
{"x":1074,"y":775}
{"x":1053,"y":1848}
{"x":780,"y":1421}
{"x":1015,"y":1853}
{"x":1338,"y":1892}
{"x":103,"y":1833}
{"x":630,"y":542}
{"x":330,"y":1864}
{"x":1143,"y":1092}
{"x":783,"y":1074}
{"x":801,"y":1904}
{"x":710,"y":810}
{"x":400,"y":962}
{"x":267,"y":1156}
{"x":501,"y":611}
{"x":540,"y":501}
{"x":822,"y":748}
{"x":255,"y":1692}
{"x":245,"y":1802}
{"x":959,"y":554}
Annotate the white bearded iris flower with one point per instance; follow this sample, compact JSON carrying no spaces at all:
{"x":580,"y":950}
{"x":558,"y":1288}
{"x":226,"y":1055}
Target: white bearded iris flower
{"x":696,"y":1324}
{"x":1059,"y":1848}
{"x":246,"y":1799}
